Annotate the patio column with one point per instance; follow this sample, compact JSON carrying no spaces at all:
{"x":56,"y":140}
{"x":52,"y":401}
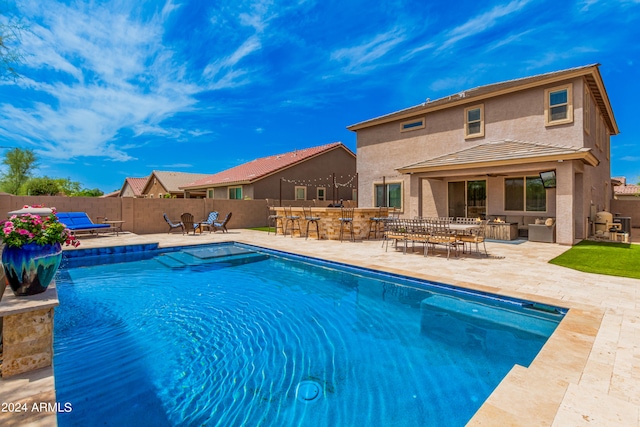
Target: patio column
{"x":565,"y":203}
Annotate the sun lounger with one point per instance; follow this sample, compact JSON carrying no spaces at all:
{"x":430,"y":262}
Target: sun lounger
{"x":79,"y":222}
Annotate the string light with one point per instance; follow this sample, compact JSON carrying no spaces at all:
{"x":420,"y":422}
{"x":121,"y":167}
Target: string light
{"x":328,"y":180}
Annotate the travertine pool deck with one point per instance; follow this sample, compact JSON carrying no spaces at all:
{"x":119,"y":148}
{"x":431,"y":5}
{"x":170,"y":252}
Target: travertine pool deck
{"x":588,"y":373}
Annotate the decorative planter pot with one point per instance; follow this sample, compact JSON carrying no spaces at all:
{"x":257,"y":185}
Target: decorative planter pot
{"x":30,"y":269}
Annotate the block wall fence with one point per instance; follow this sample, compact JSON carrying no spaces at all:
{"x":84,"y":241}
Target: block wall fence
{"x":144,"y":216}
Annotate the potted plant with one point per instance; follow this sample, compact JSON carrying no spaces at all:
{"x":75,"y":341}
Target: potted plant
{"x":33,"y":250}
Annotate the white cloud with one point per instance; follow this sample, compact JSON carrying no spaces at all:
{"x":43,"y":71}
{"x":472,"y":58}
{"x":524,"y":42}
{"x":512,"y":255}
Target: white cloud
{"x":115,"y":74}
{"x":361,"y":58}
{"x":481,"y":23}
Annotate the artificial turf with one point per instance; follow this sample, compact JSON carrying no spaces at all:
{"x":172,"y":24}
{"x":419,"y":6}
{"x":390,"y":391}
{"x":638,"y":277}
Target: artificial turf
{"x":610,"y":258}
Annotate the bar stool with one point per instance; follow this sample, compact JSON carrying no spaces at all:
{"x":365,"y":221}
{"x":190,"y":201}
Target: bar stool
{"x":293,"y":219}
{"x":274,"y":220}
{"x":374,"y":224}
{"x":346,"y":219}
{"x":311,"y":220}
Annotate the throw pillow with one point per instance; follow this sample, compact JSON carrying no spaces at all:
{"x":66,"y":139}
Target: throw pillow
{"x":549,"y":222}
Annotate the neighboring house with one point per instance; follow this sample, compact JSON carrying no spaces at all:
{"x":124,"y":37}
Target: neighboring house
{"x":112,"y":194}
{"x":167,"y":184}
{"x":132,"y":187}
{"x":304,"y":174}
{"x":624,"y":191}
{"x":480,"y":152}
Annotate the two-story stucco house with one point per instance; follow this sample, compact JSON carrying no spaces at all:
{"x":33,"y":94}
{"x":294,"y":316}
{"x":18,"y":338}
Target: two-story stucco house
{"x":481,"y":153}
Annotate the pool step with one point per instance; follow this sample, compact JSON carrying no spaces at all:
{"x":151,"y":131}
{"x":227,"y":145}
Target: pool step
{"x":217,"y":252}
{"x":202,"y":257}
{"x":233,"y":260}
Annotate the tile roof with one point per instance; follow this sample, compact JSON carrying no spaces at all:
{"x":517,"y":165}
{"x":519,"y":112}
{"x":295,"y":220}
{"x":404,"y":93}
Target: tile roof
{"x":591,"y":72}
{"x":627,"y":189}
{"x":136,"y":184}
{"x":174,"y":181}
{"x":505,"y":151}
{"x":262,"y":167}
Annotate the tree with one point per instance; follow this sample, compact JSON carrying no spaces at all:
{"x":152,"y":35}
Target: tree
{"x":41,"y":186}
{"x":85,"y":192}
{"x":67,"y":186}
{"x":10,"y":55}
{"x":21,"y":163}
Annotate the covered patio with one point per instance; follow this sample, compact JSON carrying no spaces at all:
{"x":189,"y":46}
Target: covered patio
{"x":502,"y":179}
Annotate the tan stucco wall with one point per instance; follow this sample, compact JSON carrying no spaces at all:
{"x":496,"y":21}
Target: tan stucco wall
{"x":518,"y":116}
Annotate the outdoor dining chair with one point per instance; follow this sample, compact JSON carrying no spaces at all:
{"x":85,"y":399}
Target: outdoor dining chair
{"x":274,"y":220}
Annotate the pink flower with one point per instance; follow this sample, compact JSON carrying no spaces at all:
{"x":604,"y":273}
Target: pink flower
{"x":23,"y":232}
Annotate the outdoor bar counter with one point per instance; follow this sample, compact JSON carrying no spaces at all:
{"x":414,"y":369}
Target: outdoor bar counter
{"x":330,"y":225}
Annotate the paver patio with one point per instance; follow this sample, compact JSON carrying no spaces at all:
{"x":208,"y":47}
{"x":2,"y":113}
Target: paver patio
{"x":588,"y":373}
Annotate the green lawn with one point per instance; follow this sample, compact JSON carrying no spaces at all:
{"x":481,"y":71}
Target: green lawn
{"x":613,"y":259}
{"x":261,"y":228}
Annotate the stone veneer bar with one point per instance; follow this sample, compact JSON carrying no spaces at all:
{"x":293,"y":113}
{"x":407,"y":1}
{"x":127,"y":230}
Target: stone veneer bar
{"x":27,"y":331}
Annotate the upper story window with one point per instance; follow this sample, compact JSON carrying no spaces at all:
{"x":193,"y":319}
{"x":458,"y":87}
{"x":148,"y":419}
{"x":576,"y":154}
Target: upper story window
{"x":558,"y":105}
{"x":474,"y":121}
{"x":412,"y":125}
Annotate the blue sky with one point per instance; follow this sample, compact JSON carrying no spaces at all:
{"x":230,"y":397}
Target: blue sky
{"x":116,"y":89}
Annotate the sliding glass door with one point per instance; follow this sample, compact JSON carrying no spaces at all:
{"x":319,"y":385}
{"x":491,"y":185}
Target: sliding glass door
{"x":467,"y":198}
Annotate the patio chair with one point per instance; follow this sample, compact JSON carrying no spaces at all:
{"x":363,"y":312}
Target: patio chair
{"x":187,"y":222}
{"x":213,"y":216}
{"x":346,"y":220}
{"x":291,"y":219}
{"x":440,"y":234}
{"x":222,"y":225}
{"x":173,"y":225}
{"x":397,"y":231}
{"x":477,"y":237}
{"x":308,"y":216}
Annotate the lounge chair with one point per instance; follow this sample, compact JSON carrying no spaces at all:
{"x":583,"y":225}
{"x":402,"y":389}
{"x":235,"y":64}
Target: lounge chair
{"x":213,"y":216}
{"x":173,"y":225}
{"x":79,"y":222}
{"x":222,"y":225}
{"x":187,"y":222}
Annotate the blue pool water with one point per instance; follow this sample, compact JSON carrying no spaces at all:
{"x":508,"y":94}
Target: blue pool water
{"x":232,"y":335}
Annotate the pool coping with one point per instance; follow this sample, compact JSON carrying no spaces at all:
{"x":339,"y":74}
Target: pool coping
{"x":526,"y":396}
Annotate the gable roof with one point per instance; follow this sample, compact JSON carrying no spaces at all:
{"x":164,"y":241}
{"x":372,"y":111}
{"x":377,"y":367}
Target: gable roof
{"x":261,"y":168}
{"x":503,"y":152}
{"x":136,"y":184}
{"x":173,"y":181}
{"x":591,"y":73}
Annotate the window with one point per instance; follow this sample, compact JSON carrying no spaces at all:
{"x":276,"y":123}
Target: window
{"x":412,"y":125}
{"x":389,"y":194}
{"x":301,"y":192}
{"x":235,"y":193}
{"x":321,"y":193}
{"x":525,"y":194}
{"x":210,"y":193}
{"x":586,"y":109}
{"x":598,"y":131}
{"x":558,"y":108}
{"x":474,"y":121}
{"x":151,"y":196}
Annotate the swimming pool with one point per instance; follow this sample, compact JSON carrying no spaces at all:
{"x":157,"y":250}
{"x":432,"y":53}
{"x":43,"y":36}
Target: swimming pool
{"x":234,"y":335}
